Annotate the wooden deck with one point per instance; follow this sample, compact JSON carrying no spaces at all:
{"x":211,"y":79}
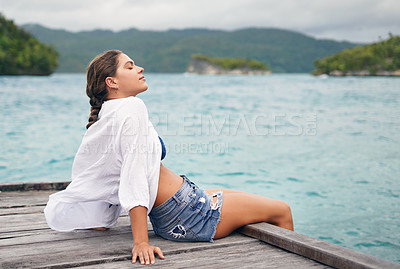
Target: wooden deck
{"x":27,"y":242}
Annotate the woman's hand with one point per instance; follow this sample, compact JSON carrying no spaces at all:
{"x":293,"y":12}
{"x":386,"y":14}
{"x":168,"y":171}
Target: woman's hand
{"x":141,"y":246}
{"x":145,"y":252}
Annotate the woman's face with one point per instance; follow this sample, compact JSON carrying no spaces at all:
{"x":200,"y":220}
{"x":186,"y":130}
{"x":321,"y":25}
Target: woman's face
{"x":129,"y":80}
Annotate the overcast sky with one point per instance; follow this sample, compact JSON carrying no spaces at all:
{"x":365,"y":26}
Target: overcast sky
{"x":352,"y":20}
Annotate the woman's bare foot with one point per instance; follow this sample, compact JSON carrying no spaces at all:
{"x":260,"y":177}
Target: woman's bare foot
{"x":99,"y":229}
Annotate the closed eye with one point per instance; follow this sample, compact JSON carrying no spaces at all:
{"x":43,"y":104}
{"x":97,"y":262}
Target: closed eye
{"x":130,"y":64}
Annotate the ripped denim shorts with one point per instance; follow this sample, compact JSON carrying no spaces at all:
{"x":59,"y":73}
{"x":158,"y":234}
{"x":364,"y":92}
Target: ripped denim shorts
{"x":189,"y":215}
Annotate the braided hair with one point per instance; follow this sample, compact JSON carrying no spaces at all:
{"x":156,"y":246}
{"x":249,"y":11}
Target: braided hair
{"x":103,"y":66}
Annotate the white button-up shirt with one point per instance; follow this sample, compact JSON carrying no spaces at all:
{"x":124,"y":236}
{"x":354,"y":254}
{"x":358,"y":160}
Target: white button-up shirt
{"x":117,"y":164}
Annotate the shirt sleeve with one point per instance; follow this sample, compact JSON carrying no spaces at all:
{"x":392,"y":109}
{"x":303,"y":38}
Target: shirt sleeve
{"x":134,"y":187}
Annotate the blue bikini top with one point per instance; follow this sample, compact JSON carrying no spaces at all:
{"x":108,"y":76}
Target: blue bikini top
{"x":164,"y":152}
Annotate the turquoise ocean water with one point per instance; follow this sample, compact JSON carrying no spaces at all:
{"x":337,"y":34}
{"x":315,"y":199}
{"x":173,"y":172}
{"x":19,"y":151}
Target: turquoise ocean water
{"x":329,"y":147}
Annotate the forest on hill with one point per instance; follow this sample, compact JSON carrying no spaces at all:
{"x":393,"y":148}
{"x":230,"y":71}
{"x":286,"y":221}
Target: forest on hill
{"x":23,"y":54}
{"x":380,"y":58}
{"x":203,"y":64}
{"x":170,"y":51}
{"x":232,"y":63}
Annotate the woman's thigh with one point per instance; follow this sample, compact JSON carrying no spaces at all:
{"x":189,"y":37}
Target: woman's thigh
{"x":225,"y":191}
{"x":241,"y":208}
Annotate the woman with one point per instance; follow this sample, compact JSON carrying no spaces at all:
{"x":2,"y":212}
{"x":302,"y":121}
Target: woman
{"x":118,"y":169}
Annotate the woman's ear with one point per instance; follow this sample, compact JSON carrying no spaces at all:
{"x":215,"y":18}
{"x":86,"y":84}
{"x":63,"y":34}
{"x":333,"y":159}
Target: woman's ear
{"x":111,"y":83}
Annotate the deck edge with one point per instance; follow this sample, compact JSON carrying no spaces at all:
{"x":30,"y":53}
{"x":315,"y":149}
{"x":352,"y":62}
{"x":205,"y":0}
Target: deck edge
{"x":34,"y":186}
{"x":315,"y":249}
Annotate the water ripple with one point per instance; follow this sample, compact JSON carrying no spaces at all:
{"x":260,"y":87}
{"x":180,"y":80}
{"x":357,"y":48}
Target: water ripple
{"x":315,"y":194}
{"x":376,"y":243}
{"x":236,"y":174}
{"x":293,"y":179}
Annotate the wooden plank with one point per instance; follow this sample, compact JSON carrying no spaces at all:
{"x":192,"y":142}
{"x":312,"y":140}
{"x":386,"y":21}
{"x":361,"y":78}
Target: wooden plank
{"x":22,"y":194}
{"x":33,"y":186}
{"x":251,"y":255}
{"x":94,"y":250}
{"x":13,"y":203}
{"x":22,"y":210}
{"x":37,"y":236}
{"x":13,"y":223}
{"x":321,"y":251}
{"x":23,"y":199}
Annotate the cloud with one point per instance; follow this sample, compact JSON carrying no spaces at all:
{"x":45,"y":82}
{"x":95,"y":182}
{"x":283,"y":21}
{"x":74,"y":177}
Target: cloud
{"x":354,"y":20}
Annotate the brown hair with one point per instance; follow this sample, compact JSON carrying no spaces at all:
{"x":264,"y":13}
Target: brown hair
{"x":103,"y":66}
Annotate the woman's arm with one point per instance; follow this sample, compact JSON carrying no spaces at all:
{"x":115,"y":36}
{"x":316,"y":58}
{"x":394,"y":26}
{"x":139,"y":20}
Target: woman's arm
{"x":141,"y":247}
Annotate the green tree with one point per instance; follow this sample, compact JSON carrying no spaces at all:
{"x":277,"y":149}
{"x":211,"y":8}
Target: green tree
{"x":233,"y":63}
{"x":376,"y":57}
{"x":22,"y":54}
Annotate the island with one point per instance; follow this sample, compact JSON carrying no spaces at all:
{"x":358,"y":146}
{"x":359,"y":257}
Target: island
{"x":376,"y":59}
{"x":23,"y":54}
{"x":202,"y":64}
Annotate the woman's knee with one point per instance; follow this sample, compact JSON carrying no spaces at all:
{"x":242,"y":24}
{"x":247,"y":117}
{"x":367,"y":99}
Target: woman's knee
{"x":285,"y":219}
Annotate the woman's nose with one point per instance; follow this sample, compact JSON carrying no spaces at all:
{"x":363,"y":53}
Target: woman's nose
{"x":140,"y":69}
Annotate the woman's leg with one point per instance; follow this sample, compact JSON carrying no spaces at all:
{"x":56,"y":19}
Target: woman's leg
{"x":241,"y":208}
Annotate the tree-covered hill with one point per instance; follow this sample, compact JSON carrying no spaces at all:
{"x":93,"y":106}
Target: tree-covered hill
{"x":22,"y":54}
{"x":381,"y":58}
{"x":170,"y":51}
{"x":232,"y":63}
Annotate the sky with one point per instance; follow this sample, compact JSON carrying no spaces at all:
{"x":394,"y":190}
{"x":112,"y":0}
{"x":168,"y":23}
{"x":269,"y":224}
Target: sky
{"x":350,"y":20}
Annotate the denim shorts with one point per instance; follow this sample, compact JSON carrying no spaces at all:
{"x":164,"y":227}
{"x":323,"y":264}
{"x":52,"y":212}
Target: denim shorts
{"x":189,"y":215}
